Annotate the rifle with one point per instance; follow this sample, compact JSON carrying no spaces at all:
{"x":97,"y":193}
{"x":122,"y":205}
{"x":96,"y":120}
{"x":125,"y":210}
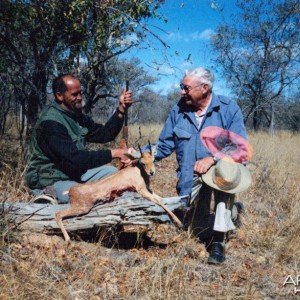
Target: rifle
{"x":124,"y":140}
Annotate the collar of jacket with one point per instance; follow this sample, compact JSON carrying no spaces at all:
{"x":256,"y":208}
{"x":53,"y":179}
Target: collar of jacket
{"x":189,"y":111}
{"x":66,"y":111}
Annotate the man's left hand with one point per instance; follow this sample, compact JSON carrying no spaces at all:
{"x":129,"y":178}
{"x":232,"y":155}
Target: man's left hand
{"x":203,"y":165}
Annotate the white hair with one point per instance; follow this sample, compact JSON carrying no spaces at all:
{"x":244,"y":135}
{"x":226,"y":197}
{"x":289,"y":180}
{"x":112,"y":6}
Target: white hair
{"x":202,"y":75}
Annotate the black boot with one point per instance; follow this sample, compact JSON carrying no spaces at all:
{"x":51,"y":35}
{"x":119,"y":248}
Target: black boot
{"x":216,"y":253}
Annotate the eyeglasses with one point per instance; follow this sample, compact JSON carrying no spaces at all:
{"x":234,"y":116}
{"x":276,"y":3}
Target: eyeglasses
{"x":188,"y":88}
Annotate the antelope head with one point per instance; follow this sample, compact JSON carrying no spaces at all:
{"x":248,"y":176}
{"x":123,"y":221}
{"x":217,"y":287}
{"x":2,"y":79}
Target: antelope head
{"x":147,"y":161}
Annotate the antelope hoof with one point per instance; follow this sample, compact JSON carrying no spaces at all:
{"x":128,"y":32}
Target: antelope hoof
{"x":180,"y":225}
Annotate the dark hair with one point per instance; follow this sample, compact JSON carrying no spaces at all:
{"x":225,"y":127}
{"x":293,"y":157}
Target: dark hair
{"x":58,"y":84}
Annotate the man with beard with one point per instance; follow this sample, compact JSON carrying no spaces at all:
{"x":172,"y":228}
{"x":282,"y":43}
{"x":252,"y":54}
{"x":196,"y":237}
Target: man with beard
{"x":59,"y":158}
{"x":197,"y":109}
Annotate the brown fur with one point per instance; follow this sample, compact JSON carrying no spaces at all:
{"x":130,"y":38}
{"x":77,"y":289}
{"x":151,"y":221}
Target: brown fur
{"x":133,"y":178}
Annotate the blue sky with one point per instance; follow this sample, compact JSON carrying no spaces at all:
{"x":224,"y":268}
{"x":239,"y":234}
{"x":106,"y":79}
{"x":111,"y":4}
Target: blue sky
{"x":187,"y":32}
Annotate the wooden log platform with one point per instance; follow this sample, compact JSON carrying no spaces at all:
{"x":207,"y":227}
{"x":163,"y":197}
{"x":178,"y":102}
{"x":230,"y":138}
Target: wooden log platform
{"x":129,"y":209}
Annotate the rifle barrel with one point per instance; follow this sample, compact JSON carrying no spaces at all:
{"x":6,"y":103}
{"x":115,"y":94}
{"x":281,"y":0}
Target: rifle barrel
{"x":126,"y":110}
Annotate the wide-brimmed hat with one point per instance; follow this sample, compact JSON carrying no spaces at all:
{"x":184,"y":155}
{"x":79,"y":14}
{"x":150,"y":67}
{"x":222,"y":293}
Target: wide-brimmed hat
{"x":228,"y":176}
{"x":221,"y":143}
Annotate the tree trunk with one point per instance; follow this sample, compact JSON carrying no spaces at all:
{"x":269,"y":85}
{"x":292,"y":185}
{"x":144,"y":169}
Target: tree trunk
{"x":272,"y":121}
{"x":129,"y":209}
{"x":37,"y":97}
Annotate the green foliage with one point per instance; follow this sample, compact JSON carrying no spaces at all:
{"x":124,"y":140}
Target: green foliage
{"x":42,"y":38}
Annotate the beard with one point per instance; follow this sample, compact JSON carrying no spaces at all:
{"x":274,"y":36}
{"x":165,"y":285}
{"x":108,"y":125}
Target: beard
{"x":75,"y":106}
{"x":187,"y":100}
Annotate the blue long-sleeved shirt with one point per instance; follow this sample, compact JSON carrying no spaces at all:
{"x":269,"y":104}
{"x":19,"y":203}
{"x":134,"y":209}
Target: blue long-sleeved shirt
{"x":181,"y":134}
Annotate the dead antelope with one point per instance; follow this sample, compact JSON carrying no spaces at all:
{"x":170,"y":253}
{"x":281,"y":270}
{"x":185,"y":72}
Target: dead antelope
{"x":133,"y":178}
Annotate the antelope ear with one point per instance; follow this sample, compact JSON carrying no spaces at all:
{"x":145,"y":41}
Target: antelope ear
{"x":133,"y":155}
{"x":135,"y":162}
{"x":154,"y":149}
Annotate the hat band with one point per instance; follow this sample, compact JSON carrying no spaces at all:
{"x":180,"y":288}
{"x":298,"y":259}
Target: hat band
{"x":224,"y":184}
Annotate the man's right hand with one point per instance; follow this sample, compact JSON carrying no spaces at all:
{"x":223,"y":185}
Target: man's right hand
{"x":203,"y":165}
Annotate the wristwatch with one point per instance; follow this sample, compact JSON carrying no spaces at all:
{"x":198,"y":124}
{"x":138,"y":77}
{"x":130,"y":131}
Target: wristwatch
{"x":216,"y":159}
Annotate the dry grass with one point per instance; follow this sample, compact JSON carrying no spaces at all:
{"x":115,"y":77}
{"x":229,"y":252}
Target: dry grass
{"x":274,"y":196}
{"x":259,"y":257}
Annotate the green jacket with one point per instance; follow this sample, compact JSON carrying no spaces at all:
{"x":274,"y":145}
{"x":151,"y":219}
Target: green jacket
{"x":58,"y":147}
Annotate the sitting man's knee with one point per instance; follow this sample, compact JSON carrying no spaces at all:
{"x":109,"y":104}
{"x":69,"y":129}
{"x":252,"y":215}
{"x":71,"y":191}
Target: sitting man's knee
{"x":109,"y":170}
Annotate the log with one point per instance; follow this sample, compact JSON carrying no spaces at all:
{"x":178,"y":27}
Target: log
{"x":128,"y":209}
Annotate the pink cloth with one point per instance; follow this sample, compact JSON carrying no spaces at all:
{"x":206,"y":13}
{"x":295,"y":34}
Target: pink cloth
{"x":223,"y":143}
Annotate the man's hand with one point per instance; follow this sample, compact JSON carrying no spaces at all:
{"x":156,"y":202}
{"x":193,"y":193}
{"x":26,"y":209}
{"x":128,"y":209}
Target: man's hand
{"x":125,"y":100}
{"x":203,"y":165}
{"x":121,"y":154}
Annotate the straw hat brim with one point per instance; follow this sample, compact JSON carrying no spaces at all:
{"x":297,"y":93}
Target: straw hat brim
{"x":243,"y":185}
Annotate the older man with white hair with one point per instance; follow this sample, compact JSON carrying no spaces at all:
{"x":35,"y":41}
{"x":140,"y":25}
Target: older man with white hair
{"x":200,"y":108}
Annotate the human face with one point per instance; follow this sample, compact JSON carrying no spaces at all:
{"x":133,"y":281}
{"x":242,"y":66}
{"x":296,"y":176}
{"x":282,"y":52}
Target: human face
{"x":72,"y":98}
{"x":187,"y":88}
{"x":193,"y":91}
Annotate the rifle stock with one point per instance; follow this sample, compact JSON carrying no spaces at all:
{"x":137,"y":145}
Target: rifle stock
{"x":124,"y":140}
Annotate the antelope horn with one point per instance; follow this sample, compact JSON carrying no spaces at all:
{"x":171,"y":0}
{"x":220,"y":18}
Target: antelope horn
{"x":149,"y":144}
{"x":140,"y":149}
